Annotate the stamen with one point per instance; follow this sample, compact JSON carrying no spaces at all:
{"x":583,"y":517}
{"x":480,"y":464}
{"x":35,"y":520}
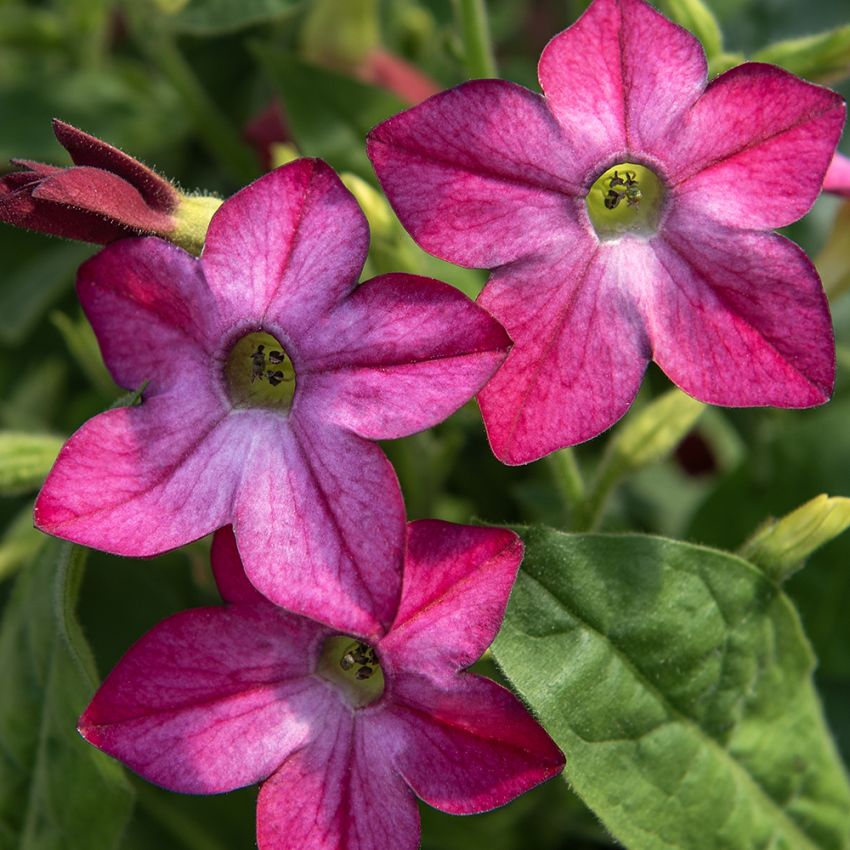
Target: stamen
{"x":249,"y":380}
{"x":353,"y":667}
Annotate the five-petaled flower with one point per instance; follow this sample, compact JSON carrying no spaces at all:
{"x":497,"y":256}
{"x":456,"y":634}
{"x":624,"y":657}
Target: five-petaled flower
{"x":624,"y":216}
{"x":347,"y":728}
{"x":105,"y":195}
{"x":270,"y":373}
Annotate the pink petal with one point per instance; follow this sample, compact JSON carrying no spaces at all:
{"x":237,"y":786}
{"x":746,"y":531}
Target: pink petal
{"x":837,"y":178}
{"x":138,"y":481}
{"x":153,"y":315}
{"x":753,"y":151}
{"x":579,"y":350}
{"x":468,"y":748}
{"x":479,"y":175}
{"x":230,"y":578}
{"x":308,"y":493}
{"x":211,"y":699}
{"x":737,"y":318}
{"x":292,"y":243}
{"x":401,"y":354}
{"x":340,"y":793}
{"x":457,"y":580}
{"x":619,"y":78}
{"x":88,"y":150}
{"x":105,"y":194}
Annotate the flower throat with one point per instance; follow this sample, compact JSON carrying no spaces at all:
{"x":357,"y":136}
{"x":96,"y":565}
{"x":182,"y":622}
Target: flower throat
{"x":626,"y":198}
{"x":354,"y":668}
{"x":259,"y":373}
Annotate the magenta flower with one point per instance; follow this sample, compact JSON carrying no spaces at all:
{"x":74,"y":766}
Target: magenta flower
{"x":837,"y":179}
{"x":105,"y":196}
{"x":270,"y":374}
{"x":345,"y":729}
{"x":623,"y":216}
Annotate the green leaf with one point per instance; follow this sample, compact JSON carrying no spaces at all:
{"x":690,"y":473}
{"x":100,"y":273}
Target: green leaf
{"x":824,"y":58}
{"x":696,"y":16}
{"x":30,"y":288}
{"x":84,"y":348}
{"x":214,"y":17}
{"x":780,"y":547}
{"x":56,"y":791}
{"x":25,"y":460}
{"x":330,"y":114}
{"x":677,"y":680}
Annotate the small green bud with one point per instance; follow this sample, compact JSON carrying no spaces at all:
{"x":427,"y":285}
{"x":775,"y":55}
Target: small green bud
{"x":694,"y":15}
{"x":282,"y":154}
{"x":192,"y":220}
{"x":822,"y":58}
{"x":653,"y":432}
{"x":374,"y":205}
{"x":780,"y":547}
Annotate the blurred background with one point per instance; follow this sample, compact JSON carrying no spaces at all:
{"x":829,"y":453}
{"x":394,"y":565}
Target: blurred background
{"x":212,"y":93}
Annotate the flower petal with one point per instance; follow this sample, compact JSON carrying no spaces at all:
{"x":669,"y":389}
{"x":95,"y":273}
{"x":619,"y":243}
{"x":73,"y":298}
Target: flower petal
{"x":230,"y":578}
{"x":400,"y":355}
{"x":309,"y":490}
{"x":211,"y":699}
{"x":753,"y":151}
{"x":293,"y":242}
{"x":837,"y":179}
{"x":457,"y":580}
{"x":153,"y":315}
{"x":86,"y":150}
{"x":340,"y":793}
{"x":738,"y":318}
{"x":619,"y":78}
{"x":479,"y":175}
{"x":105,"y":194}
{"x":138,"y":481}
{"x":468,"y":748}
{"x":579,"y":351}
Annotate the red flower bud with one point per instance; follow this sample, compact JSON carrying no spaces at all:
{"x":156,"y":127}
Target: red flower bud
{"x":104,"y":196}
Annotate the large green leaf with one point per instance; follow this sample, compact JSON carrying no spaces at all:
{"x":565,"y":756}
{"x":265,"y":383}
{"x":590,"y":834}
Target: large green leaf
{"x":330,"y":114}
{"x":677,"y":680}
{"x":25,"y":460}
{"x":56,"y":792}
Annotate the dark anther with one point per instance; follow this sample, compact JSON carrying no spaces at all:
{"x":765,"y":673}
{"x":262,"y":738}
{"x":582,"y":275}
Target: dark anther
{"x":258,"y":364}
{"x":275,"y":357}
{"x":364,"y":673}
{"x":274,"y":377}
{"x":347,"y":661}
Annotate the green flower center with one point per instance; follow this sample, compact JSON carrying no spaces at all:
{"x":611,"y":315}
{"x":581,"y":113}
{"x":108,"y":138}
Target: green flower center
{"x":354,"y":668}
{"x":259,"y":373}
{"x":625,"y":199}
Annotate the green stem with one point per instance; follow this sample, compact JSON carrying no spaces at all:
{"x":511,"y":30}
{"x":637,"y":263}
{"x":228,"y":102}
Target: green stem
{"x":478,"y":47}
{"x":607,"y":477}
{"x":213,"y":128}
{"x":570,"y":484}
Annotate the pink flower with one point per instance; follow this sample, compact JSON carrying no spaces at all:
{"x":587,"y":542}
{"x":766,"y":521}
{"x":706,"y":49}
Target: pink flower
{"x":344,"y":729}
{"x":270,"y":374}
{"x":105,"y":196}
{"x":623,"y":216}
{"x":837,"y":180}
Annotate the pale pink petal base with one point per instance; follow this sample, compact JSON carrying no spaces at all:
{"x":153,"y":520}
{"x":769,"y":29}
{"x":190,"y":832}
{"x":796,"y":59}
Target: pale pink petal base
{"x":837,"y":178}
{"x":401,"y":354}
{"x":340,"y":793}
{"x":579,"y":353}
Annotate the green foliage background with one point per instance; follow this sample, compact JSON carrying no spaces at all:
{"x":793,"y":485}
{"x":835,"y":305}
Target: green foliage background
{"x":175,"y":83}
